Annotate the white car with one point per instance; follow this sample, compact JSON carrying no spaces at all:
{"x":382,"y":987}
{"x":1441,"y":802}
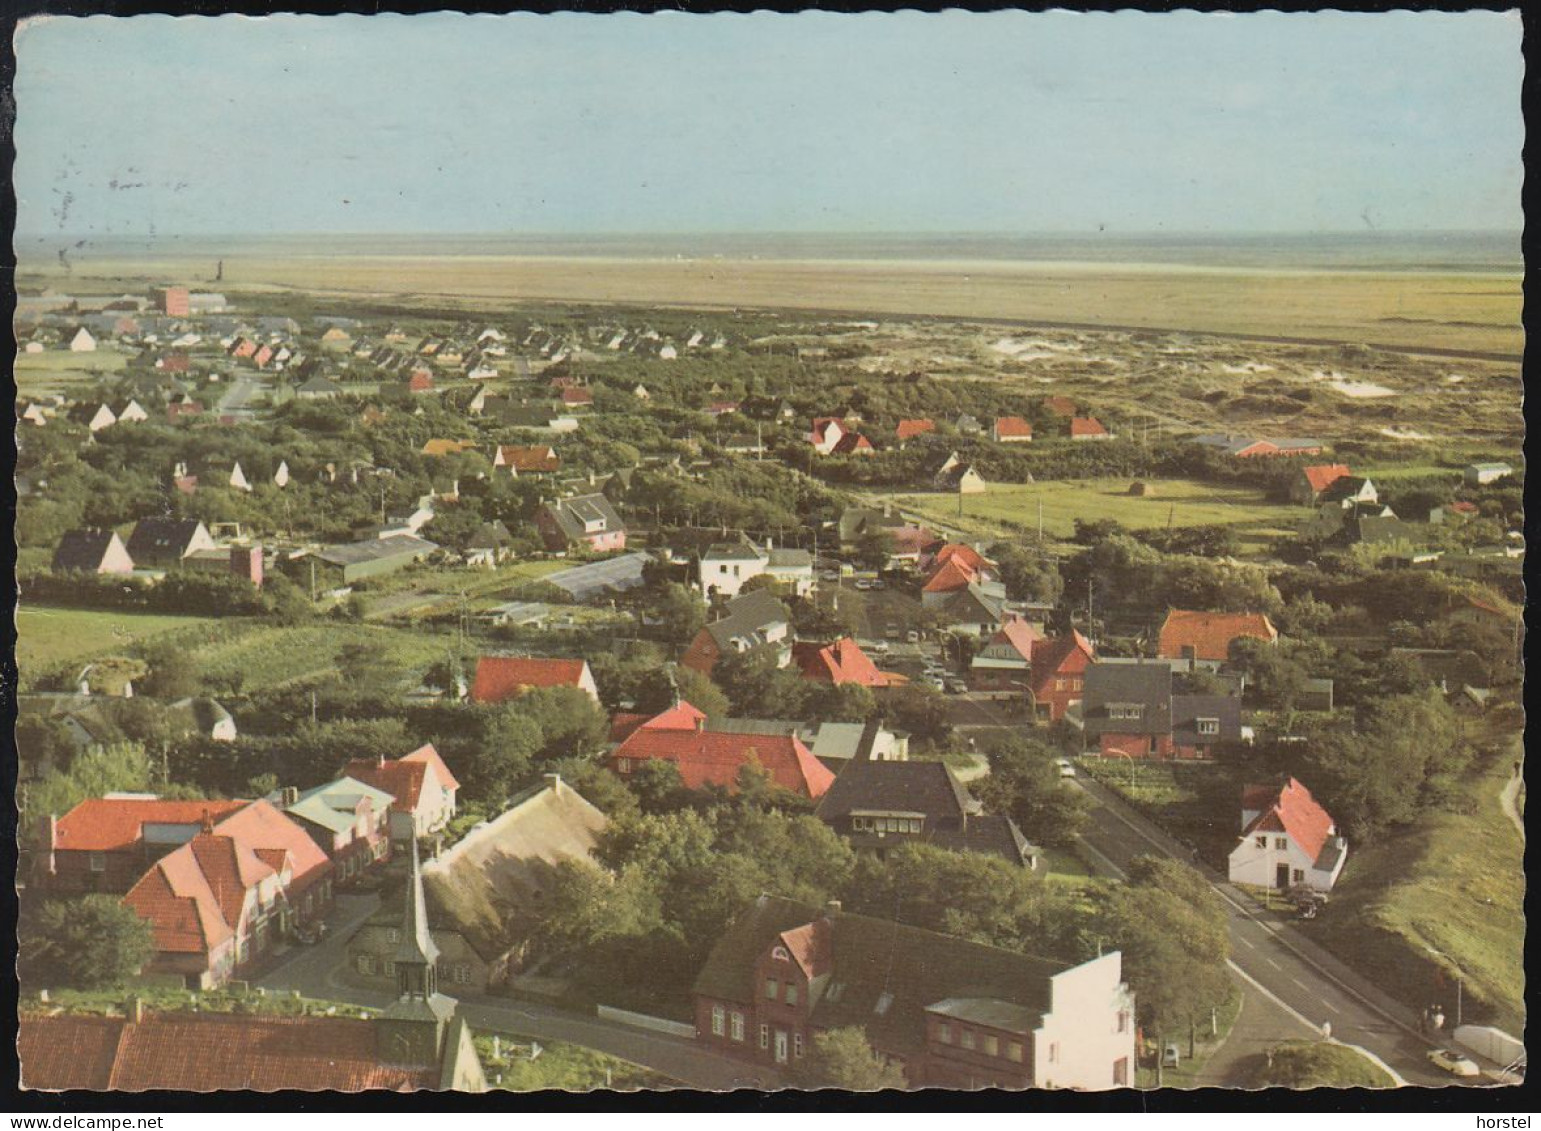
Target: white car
{"x":1453,"y":1062}
{"x":1065,"y":767}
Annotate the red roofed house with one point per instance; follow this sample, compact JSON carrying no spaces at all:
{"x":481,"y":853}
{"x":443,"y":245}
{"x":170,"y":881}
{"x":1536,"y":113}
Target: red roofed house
{"x":1190,"y":635}
{"x":421,"y":784}
{"x":1088,"y":428}
{"x":421,"y":381}
{"x":500,"y":678}
{"x":262,"y":355}
{"x":839,"y":663}
{"x":939,"y":554}
{"x":853,"y":444}
{"x":1058,"y":678}
{"x":577,"y":398}
{"x":105,"y":844}
{"x":827,"y":432}
{"x":950,"y":577}
{"x":1011,"y":430}
{"x":1287,"y":839}
{"x":909,"y":429}
{"x":1005,"y":662}
{"x":719,"y":758}
{"x":1308,"y":486}
{"x":539,"y":459}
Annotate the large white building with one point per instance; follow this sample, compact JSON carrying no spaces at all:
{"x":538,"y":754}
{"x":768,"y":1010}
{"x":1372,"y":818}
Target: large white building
{"x":726,"y":566}
{"x":1287,"y":840}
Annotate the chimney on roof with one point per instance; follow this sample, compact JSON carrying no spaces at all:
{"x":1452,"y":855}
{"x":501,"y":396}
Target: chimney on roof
{"x":289,"y":796}
{"x":208,"y":821}
{"x":555,"y":780}
{"x":133,"y":1009}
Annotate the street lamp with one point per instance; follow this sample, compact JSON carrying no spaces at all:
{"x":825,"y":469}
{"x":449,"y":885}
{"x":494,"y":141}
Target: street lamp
{"x":1130,"y":757}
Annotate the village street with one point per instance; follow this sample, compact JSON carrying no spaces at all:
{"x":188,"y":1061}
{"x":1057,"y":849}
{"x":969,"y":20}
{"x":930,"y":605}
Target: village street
{"x":1271,"y":958}
{"x":315,"y":972}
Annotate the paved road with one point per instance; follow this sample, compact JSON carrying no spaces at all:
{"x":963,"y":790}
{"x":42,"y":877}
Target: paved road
{"x":1270,"y":955}
{"x":1259,"y":1026}
{"x":316,"y":972}
{"x":239,"y":394}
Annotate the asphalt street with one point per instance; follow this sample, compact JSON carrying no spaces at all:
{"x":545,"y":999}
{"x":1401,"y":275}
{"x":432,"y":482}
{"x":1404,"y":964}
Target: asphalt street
{"x":1272,"y":958}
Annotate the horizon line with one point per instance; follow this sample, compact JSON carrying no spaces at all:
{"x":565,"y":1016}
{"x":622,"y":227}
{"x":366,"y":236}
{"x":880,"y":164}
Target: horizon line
{"x":1144,"y":233}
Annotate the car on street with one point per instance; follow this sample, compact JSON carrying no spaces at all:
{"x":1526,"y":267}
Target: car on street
{"x":956,"y":686}
{"x":1453,"y":1062}
{"x":1171,"y":1057}
{"x":912,"y":637}
{"x":1065,"y":767}
{"x":877,"y":583}
{"x":829,"y":575}
{"x":863,"y":583}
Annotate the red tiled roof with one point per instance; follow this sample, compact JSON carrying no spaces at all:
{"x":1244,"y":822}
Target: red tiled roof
{"x":420,"y":381}
{"x":175,"y":898}
{"x":204,"y":1052}
{"x":230,"y":868}
{"x":1256,"y":798}
{"x":852,"y":442}
{"x":840,"y":662}
{"x":259,"y":825}
{"x":1049,"y":656}
{"x":1020,"y":635}
{"x":1060,"y":406}
{"x":1210,"y":634}
{"x":1087,"y":426}
{"x":1013,"y":426}
{"x":427,"y":755}
{"x":112,"y":824}
{"x":909,"y":429}
{"x":1294,"y":811}
{"x":499,"y":678}
{"x":577,"y":396}
{"x":910,"y":539}
{"x":1323,"y":475}
{"x":953,"y":574}
{"x":542,"y":458}
{"x":960,"y":552}
{"x":402,"y":778}
{"x":1464,"y":507}
{"x":822,"y":424}
{"x":715,"y":758}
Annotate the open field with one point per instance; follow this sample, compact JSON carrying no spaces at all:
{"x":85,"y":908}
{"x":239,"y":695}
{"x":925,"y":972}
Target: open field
{"x":1178,"y":501}
{"x":57,"y":371}
{"x":1455,"y":884}
{"x":47,"y":635}
{"x":1468,"y":312}
{"x":266,"y":657}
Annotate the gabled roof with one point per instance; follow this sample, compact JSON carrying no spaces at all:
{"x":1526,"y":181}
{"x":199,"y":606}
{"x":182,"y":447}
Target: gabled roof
{"x":920,"y":787}
{"x":909,"y":429}
{"x":1210,"y":634}
{"x":83,"y":549}
{"x":375,"y":549}
{"x":972,"y":605}
{"x":1010,"y":427}
{"x":852,"y":442}
{"x":402,"y":778}
{"x":952,"y":575}
{"x":335,"y":806}
{"x":499,"y":678}
{"x":1148,"y":685}
{"x":234,"y":1052}
{"x":264,"y":828}
{"x":716,"y":757}
{"x":1323,"y":475}
{"x":1049,"y":657}
{"x":842,"y":661}
{"x":747,"y":618}
{"x":573,"y":514}
{"x":1086,"y":426}
{"x":1293,"y":811}
{"x":539,"y":458}
{"x":1018,"y":635}
{"x":163,"y":537}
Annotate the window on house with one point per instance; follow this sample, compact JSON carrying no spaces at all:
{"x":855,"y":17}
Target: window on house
{"x":885,"y":999}
{"x":365,"y":963}
{"x":1121,"y":1072}
{"x":1059,"y":685}
{"x":772,"y":988}
{"x":860,"y":824}
{"x":791,"y":998}
{"x":1280,"y":842}
{"x":722,"y":569}
{"x":966,"y":1038}
{"x":1054,"y":1052}
{"x":463,"y":973}
{"x":1014,"y":1051}
{"x":992,"y":1046}
{"x":780,"y":954}
{"x":797,"y":1044}
{"x":1209,"y":726}
{"x":832,"y":994}
{"x":623,"y":765}
{"x":389,"y":969}
{"x":765,"y":1036}
{"x":736,"y":1028}
{"x":719,"y":1017}
{"x":1123,"y":1020}
{"x":944,"y":1033}
{"x":98,"y":862}
{"x":1262,"y":842}
{"x":1299,"y":875}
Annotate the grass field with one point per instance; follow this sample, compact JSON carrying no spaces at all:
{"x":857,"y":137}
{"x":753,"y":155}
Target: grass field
{"x":1317,"y":1064}
{"x":47,"y":636}
{"x":268,"y":656}
{"x":563,"y":1067}
{"x":1446,"y":311}
{"x":1456,"y":885}
{"x":54,"y":371}
{"x":1178,"y":501}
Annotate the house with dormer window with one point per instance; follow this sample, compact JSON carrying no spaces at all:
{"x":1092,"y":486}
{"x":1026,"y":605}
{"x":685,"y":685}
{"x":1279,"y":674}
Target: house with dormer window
{"x":756,"y":620}
{"x":584,"y":522}
{"x":950,"y":1012}
{"x":1287,"y":840}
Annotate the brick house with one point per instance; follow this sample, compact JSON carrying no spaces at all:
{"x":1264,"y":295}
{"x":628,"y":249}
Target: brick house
{"x":1188,"y":635}
{"x":500,"y":678}
{"x":950,"y":1012}
{"x":1005,"y":662}
{"x":1011,"y":430}
{"x":1130,"y":710}
{"x":706,"y":757}
{"x":1309,"y":483}
{"x":840,"y":662}
{"x":754,"y":621}
{"x":1058,"y":677}
{"x":105,"y":844}
{"x":421,"y":788}
{"x":348,"y":819}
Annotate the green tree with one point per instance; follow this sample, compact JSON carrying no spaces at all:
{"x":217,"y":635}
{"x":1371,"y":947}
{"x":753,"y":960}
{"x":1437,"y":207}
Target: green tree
{"x":1027,"y":576}
{"x":874,"y":547}
{"x":1024,"y":784}
{"x":173,"y":673}
{"x":93,"y":941}
{"x":842,"y":1058}
{"x":681,"y":612}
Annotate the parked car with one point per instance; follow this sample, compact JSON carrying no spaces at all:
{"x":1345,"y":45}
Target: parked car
{"x":912,"y":637}
{"x":829,"y":575}
{"x":863,"y":583}
{"x":956,"y":686}
{"x":1171,"y":1057}
{"x":892,"y":632}
{"x":1453,"y":1062}
{"x":1065,"y":767}
{"x":877,"y":583}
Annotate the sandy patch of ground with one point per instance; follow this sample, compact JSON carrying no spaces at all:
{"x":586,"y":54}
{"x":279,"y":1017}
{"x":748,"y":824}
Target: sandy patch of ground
{"x":1361,"y":389}
{"x":1404,"y":434}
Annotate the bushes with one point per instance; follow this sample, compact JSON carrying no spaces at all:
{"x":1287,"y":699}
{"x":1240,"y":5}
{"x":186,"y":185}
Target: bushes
{"x":188,"y":593}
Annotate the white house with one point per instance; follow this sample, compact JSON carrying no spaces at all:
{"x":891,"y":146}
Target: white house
{"x":827,"y":433}
{"x":421,"y":784}
{"x":103,"y":417}
{"x":1085,"y":1039}
{"x":238,"y":478}
{"x":1287,"y":839}
{"x":1481,"y":474}
{"x":726,"y":566}
{"x":281,"y":476}
{"x":132,"y":413}
{"x":82,"y":342}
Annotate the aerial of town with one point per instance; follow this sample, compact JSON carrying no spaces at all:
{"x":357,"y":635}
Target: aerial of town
{"x":633,"y":670}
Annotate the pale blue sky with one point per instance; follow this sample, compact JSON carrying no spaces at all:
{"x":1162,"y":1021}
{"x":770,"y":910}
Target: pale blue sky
{"x":814,"y":122}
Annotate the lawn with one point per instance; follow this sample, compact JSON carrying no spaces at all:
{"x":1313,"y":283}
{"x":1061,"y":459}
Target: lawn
{"x":1197,"y":802}
{"x":48,"y":635}
{"x":267,"y":656}
{"x":1195,"y":1056}
{"x":1316,"y":1064}
{"x":54,"y":371}
{"x":1455,"y":884}
{"x":1178,"y":502}
{"x":559,"y":1066}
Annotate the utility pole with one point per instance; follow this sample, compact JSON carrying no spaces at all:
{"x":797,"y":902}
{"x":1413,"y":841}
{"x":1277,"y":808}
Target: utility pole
{"x":312,"y":581}
{"x":312,"y":707}
{"x":1040,"y":519}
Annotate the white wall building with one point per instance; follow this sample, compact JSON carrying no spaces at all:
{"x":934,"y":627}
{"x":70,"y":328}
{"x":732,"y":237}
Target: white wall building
{"x":1287,"y":839}
{"x":1086,"y":1039}
{"x":726,"y":566}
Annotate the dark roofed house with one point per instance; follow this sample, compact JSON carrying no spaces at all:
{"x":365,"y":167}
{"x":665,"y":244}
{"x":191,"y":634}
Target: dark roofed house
{"x":92,"y":551}
{"x":1127,"y":709}
{"x":372,"y":557}
{"x":754,"y":620}
{"x":484,"y":894}
{"x":952,"y":1013}
{"x":584,"y":521}
{"x":882,"y":805}
{"x":160,"y":543}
